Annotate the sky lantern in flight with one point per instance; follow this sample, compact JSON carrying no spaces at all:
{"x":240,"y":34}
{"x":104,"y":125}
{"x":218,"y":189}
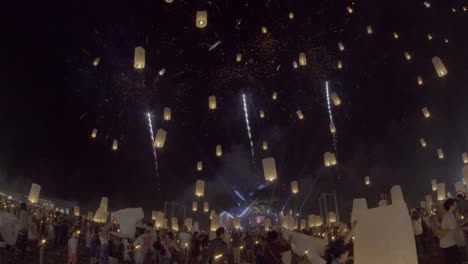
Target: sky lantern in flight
{"x":167,"y":113}
{"x":369,"y":30}
{"x":302,"y":59}
{"x":212,"y":102}
{"x":169,"y":1}
{"x":115,"y":144}
{"x":199,"y":166}
{"x":439,"y":66}
{"x":159,"y":220}
{"x":94,"y":133}
{"x":239,"y":57}
{"x":329,"y":159}
{"x":201,"y":19}
{"x":429,"y":36}
{"x":34,"y":193}
{"x":262,"y":114}
{"x":332,"y":217}
{"x":465,"y":158}
{"x":139,"y":58}
{"x":426,"y":112}
{"x":269,"y":169}
{"x":206,"y":207}
{"x":407,"y":56}
{"x":395,"y":35}
{"x":274,"y":96}
{"x":341,"y":46}
{"x":194,"y":206}
{"x":440,"y":191}
{"x":265,"y":145}
{"x":349,"y":9}
{"x":440,"y":153}
{"x":335,"y":98}
{"x":160,"y":138}
{"x":219,"y":151}
{"x":294,"y":187}
{"x":96,"y":61}
{"x":434,"y":185}
{"x":427,"y":4}
{"x":332,"y":128}
{"x":423,"y":142}
{"x":200,"y":188}
{"x":295,"y":65}
{"x":264,"y":30}
{"x":76,"y":210}
{"x":339,"y":65}
{"x":300,"y":115}
{"x":367,"y":180}
{"x":291,"y":15}
{"x":420,"y":80}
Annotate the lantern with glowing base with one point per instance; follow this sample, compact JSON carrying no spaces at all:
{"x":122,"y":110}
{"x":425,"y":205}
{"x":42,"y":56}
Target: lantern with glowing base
{"x":407,"y":56}
{"x":239,"y":57}
{"x":427,"y":4}
{"x":160,"y":138}
{"x":175,"y":224}
{"x":440,"y":191}
{"x":194,"y":206}
{"x":369,"y":30}
{"x":269,"y":169}
{"x":267,"y":224}
{"x":294,"y":187}
{"x":335,"y":98}
{"x":160,"y":220}
{"x":264,"y":30}
{"x":213,"y":212}
{"x":302,"y":59}
{"x":332,"y":217}
{"x":96,"y":61}
{"x":236,"y":223}
{"x":332,"y":128}
{"x":299,"y":114}
{"x":440,"y":153}
{"x":420,"y":80}
{"x":94,"y":133}
{"x":115,"y":145}
{"x":34,"y":193}
{"x":215,"y":222}
{"x":426,"y":112}
{"x":219,"y":151}
{"x":341,"y":46}
{"x":262,"y":114}
{"x":349,"y":9}
{"x":464,"y":157}
{"x":295,"y":65}
{"x":153,"y":215}
{"x":422,"y":142}
{"x":274,"y":96}
{"x":188,"y":223}
{"x":212,"y":102}
{"x":200,"y":188}
{"x":429,"y":36}
{"x":291,"y":15}
{"x":201,"y":19}
{"x":395,"y":35}
{"x":199,"y":166}
{"x":434,"y":185}
{"x":76,"y":210}
{"x":104,"y":203}
{"x":206,"y":207}
{"x":339,"y":65}
{"x":167,"y":114}
{"x":265,"y":145}
{"x":139,"y":58}
{"x":367,"y":180}
{"x":439,"y":66}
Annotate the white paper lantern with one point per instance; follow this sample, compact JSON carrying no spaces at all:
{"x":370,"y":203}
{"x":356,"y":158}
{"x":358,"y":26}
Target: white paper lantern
{"x":407,"y":56}
{"x":269,"y":169}
{"x":426,"y":112}
{"x":139,"y":58}
{"x":428,"y":199}
{"x":160,"y":220}
{"x":294,"y":187}
{"x":367,"y":180}
{"x":440,"y":153}
{"x":96,"y":61}
{"x":215,"y":222}
{"x":434,"y":185}
{"x":104,"y":203}
{"x":299,"y":114}
{"x":115,"y":144}
{"x":291,"y":15}
{"x":199,"y":166}
{"x":167,"y":113}
{"x":212,"y":102}
{"x":349,"y":9}
{"x":422,"y":142}
{"x":332,"y":128}
{"x":440,"y":191}
{"x":239,"y":57}
{"x":274,"y":96}
{"x":160,"y":138}
{"x":188,"y":223}
{"x":153,"y":215}
{"x":335,"y":98}
{"x":310,"y":220}
{"x":213,"y":212}
{"x":341,"y":46}
{"x":420,"y":80}
{"x":295,"y":65}
{"x":331,"y":217}
{"x":76,"y":210}
{"x":206,"y":207}
{"x":201,"y":19}
{"x":302,"y":59}
{"x":329,"y":159}
{"x":439,"y":66}
{"x":264,"y":30}
{"x":429,"y":36}
{"x":318,"y":220}
{"x":369,"y":30}
{"x":200,"y":188}
{"x":339,"y":65}
{"x":94,"y":133}
{"x":267,"y":224}
{"x":194,"y":206}
{"x":219,"y":151}
{"x":262,"y":114}
{"x":427,"y":4}
{"x":395,"y":35}
{"x":265,"y":145}
{"x":175,"y":224}
{"x":236,"y":223}
{"x":465,"y":158}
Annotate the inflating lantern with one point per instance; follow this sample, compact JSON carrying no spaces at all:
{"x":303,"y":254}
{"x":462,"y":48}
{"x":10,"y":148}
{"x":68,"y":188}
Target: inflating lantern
{"x":215,"y":222}
{"x":96,"y":61}
{"x":206,"y":207}
{"x":434,"y":185}
{"x":239,"y":57}
{"x":395,"y":35}
{"x":269,"y":169}
{"x":429,"y":36}
{"x":440,"y":191}
{"x":262,"y":114}
{"x":420,"y":80}
{"x":336,"y":100}
{"x":115,"y":145}
{"x":407,"y":56}
{"x":423,"y":142}
{"x":339,"y":65}
{"x":153,"y":215}
{"x":340,"y":46}
{"x":236,"y":223}
{"x":440,"y":153}
{"x":201,"y":19}
{"x":427,"y":4}
{"x":265,"y":145}
{"x":274,"y":96}
{"x":159,"y":220}
{"x":331,"y":217}
{"x":212,"y":102}
{"x":188,"y":224}
{"x":34,"y":193}
{"x":199,"y":166}
{"x":174,"y":224}
{"x":76,"y":210}
{"x":329,"y":159}
{"x":94,"y":133}
{"x":439,"y":66}
{"x":294,"y":187}
{"x":302,"y":59}
{"x":369,"y":30}
{"x":139,"y":58}
{"x":194,"y":206}
{"x":104,"y":203}
{"x":299,"y":114}
{"x":349,"y":9}
{"x":264,"y":30}
{"x":219,"y":151}
{"x":425,"y":112}
{"x":200,"y":188}
{"x":167,"y":113}
{"x":367,"y":180}
{"x":160,"y":138}
{"x":295,"y":65}
{"x":332,"y":128}
{"x":465,"y":158}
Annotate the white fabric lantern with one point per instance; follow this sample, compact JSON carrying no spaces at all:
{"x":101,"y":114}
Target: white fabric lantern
{"x":76,"y":210}
{"x":434,"y":185}
{"x":367,"y":180}
{"x":299,"y":114}
{"x":302,"y":59}
{"x":94,"y":133}
{"x":34,"y":193}
{"x":332,"y":128}
{"x":199,"y":166}
{"x":206,"y":207}
{"x":236,"y":223}
{"x":160,"y":220}
{"x":426,"y":112}
{"x":167,"y":113}
{"x":420,"y":80}
{"x":294,"y":187}
{"x":369,"y":30}
{"x":104,"y":203}
{"x":175,"y":224}
{"x":115,"y":144}
{"x":239,"y":57}
{"x":219,"y":151}
{"x":267,"y":224}
{"x":265,"y":145}
{"x":465,"y":158}
{"x":201,"y":19}
{"x":395,"y":35}
{"x":139,"y":58}
{"x":269,"y":169}
{"x":407,"y":56}
{"x":440,"y":191}
{"x":212,"y":102}
{"x":160,"y":138}
{"x":262,"y":114}
{"x":439,"y":66}
{"x":264,"y":30}
{"x":440,"y":153}
{"x":423,"y":142}
{"x":341,"y":46}
{"x":194,"y":206}
{"x":274,"y":96}
{"x":200,"y":188}
{"x":329,"y":159}
{"x":335,"y":98}
{"x":331,"y":217}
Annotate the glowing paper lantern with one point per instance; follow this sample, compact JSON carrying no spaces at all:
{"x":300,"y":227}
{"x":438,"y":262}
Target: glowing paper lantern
{"x":236,"y":223}
{"x":302,"y":59}
{"x":440,"y":191}
{"x":295,"y":65}
{"x":239,"y":57}
{"x":194,"y":206}
{"x":291,"y":15}
{"x":153,"y":215}
{"x":200,"y":188}
{"x":213,"y":212}
{"x":267,"y":224}
{"x":349,"y":9}
{"x":434,"y":185}
{"x":167,"y":113}
{"x":339,"y":65}
{"x":94,"y":133}
{"x":331,"y":217}
{"x":34,"y":193}
{"x":76,"y":210}
{"x":264,"y":30}
{"x":90,"y":216}
{"x":212,"y":102}
{"x":329,"y":159}
{"x":440,"y":153}
{"x":206,"y":207}
{"x":420,"y":80}
{"x":160,"y":138}
{"x":335,"y":98}
{"x":269,"y":169}
{"x":175,"y":224}
{"x":439,"y":66}
{"x":169,"y":1}
{"x":332,"y":128}
{"x":428,"y":199}
{"x":395,"y":35}
{"x":429,"y":36}
{"x":425,"y":112}
{"x":367,"y":180}
{"x":115,"y":145}
{"x":215,"y":222}
{"x":104,"y":203}
{"x":369,"y":30}
{"x":294,"y":187}
{"x":265,"y":145}
{"x":340,"y":46}
{"x":464,"y":8}
{"x":465,"y":173}
{"x":199,"y":166}
{"x":139,"y":58}
{"x":274,"y":96}
{"x":188,"y":224}
{"x":201,"y":19}
{"x":427,"y":4}
{"x":219,"y":151}
{"x":465,"y":158}
{"x":96,"y":61}
{"x":310,"y":220}
{"x":446,"y":40}
{"x":423,"y":142}
{"x":407,"y":56}
{"x":299,"y":114}
{"x":262,"y":114}
{"x":160,"y":221}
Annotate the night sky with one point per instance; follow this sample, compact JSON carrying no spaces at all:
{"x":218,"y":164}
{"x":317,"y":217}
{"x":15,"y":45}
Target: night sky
{"x":52,"y":97}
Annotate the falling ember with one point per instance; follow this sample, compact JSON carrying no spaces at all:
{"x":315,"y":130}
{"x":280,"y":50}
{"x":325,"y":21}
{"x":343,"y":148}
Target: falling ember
{"x":247,"y":124}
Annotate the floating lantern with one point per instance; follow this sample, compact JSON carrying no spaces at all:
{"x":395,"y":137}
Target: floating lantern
{"x":454,"y":10}
{"x":427,"y":4}
{"x":199,"y":166}
{"x":264,"y":30}
{"x":464,"y":8}
{"x":340,"y":46}
{"x":274,"y":96}
{"x":407,"y":56}
{"x":395,"y":35}
{"x":167,"y":113}
{"x":335,"y":98}
{"x":294,"y":187}
{"x":429,"y":36}
{"x":420,"y":80}
{"x":349,"y":9}
{"x":434,"y":185}
{"x":215,"y":222}
{"x":423,"y":142}
{"x":302,"y":59}
{"x":115,"y":144}
{"x":329,"y":159}
{"x":34,"y":193}
{"x":104,"y":203}
{"x":440,"y":153}
{"x":175,"y":224}
{"x":162,"y":72}
{"x":339,"y":65}
{"x":201,"y":19}
{"x":465,"y":158}
{"x":332,"y":128}
{"x":439,"y":66}
{"x":299,"y":114}
{"x":188,"y":223}
{"x":367,"y":180}
{"x":160,"y":138}
{"x":200,"y":188}
{"x":440,"y":191}
{"x":262,"y":114}
{"x":159,"y":220}
{"x":169,"y":1}
{"x":369,"y":30}
{"x":265,"y":145}
{"x":96,"y":61}
{"x":291,"y":15}
{"x":459,"y":187}
{"x":206,"y":207}
{"x":94,"y":133}
{"x":295,"y":65}
{"x":194,"y":206}
{"x":239,"y":57}
{"x":139,"y":58}
{"x":213,"y":212}
{"x":310,"y":220}
{"x":236,"y":223}
{"x":331,"y":217}
{"x":446,"y":40}
{"x":212,"y":102}
{"x":219,"y":151}
{"x":76,"y":210}
{"x":267,"y":224}
{"x":269,"y":169}
{"x":425,"y":112}
{"x":153,"y":215}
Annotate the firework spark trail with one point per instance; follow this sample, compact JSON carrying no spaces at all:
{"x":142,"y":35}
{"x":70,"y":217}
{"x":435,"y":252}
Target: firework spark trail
{"x":246,"y":114}
{"x":330,"y":115}
{"x":155,"y":155}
